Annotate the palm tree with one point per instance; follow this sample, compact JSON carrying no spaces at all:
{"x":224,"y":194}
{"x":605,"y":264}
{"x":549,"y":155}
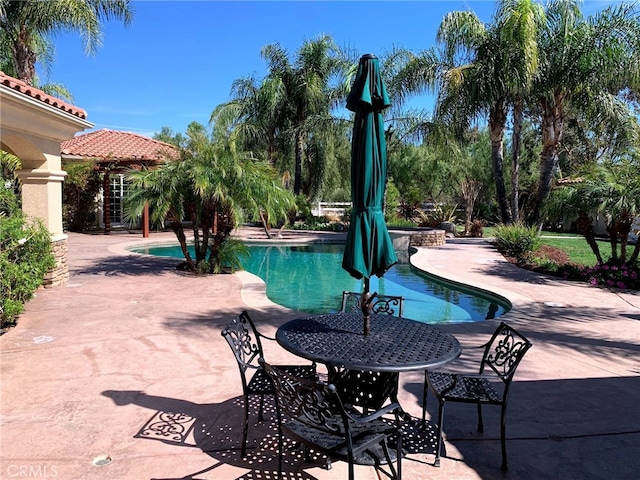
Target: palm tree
{"x":305,"y":90}
{"x":45,"y":52}
{"x":26,"y":26}
{"x":520,"y":23}
{"x":504,"y":62}
{"x":610,"y":189}
{"x":214,"y":187}
{"x":569,"y":200}
{"x":482,"y":70}
{"x":584,"y":63}
{"x":252,"y":118}
{"x":615,"y":186}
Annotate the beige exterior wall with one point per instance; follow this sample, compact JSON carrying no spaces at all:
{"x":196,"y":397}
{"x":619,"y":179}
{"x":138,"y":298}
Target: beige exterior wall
{"x":33,"y":130}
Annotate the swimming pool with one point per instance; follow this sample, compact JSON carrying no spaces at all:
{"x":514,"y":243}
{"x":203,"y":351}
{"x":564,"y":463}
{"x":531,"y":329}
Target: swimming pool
{"x":309,"y":278}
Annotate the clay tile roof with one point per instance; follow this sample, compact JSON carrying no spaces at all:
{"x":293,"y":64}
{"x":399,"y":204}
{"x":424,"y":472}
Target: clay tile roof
{"x":22,"y":87}
{"x":115,"y":145}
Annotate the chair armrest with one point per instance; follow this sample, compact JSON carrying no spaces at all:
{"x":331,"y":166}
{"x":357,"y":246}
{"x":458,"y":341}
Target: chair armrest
{"x":391,"y":408}
{"x":266,"y":337}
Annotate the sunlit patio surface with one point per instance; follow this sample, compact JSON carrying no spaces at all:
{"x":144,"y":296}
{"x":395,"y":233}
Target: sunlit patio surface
{"x":122,"y":374}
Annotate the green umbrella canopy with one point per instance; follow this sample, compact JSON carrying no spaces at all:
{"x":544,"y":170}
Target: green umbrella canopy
{"x":368,"y":250}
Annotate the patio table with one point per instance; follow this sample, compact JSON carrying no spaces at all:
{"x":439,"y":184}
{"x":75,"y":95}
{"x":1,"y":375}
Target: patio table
{"x":393,"y":345}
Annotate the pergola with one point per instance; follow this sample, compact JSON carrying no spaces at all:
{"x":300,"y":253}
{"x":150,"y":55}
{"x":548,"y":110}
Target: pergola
{"x":32,"y":126}
{"x":114,"y":152}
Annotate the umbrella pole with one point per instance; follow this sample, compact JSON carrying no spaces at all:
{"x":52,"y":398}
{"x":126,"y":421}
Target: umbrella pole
{"x":366,"y":305}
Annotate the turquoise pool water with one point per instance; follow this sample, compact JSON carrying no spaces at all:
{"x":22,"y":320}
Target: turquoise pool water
{"x":310,"y":278}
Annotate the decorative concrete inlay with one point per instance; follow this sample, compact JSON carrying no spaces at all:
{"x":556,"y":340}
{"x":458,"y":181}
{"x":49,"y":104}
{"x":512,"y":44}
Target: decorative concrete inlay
{"x":42,"y":339}
{"x":102,"y":460}
{"x":554,"y":304}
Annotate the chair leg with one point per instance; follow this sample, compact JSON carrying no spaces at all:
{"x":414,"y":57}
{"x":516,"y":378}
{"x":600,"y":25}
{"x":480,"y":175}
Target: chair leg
{"x":260,"y":415}
{"x":245,"y":430}
{"x":280,"y":451}
{"x":387,"y":456}
{"x":399,"y":455}
{"x":503,"y":442}
{"x":352,"y":473}
{"x":425,"y":391}
{"x":440,"y":422}
{"x":480,"y":423}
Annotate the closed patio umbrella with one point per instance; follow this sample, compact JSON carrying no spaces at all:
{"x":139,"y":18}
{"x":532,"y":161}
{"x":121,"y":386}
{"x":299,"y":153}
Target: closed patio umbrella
{"x":368,"y":249}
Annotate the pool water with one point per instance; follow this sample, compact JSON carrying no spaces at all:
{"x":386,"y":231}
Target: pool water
{"x":310,"y":278}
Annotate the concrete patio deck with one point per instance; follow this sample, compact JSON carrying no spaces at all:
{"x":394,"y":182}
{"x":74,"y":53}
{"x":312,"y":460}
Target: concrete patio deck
{"x":126,"y":362}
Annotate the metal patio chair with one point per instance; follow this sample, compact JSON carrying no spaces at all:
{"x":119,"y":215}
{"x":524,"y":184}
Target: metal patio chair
{"x":245,"y":342}
{"x":313,"y":414}
{"x":502,"y":355}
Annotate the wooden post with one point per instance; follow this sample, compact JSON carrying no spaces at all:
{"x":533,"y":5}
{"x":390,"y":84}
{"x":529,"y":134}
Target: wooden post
{"x":106,"y":202}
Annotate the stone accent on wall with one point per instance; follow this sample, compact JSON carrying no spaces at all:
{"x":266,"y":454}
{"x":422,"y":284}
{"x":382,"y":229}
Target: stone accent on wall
{"x":429,"y":238}
{"x":59,"y":274}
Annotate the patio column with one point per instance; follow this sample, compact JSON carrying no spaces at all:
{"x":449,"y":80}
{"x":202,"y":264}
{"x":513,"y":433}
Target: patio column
{"x":42,"y":199}
{"x":32,"y":125}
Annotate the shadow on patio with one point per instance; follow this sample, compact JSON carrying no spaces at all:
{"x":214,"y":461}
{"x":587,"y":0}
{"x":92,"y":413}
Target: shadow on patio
{"x":216,"y":429}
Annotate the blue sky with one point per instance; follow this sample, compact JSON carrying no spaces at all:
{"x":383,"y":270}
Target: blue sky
{"x":177,"y":60}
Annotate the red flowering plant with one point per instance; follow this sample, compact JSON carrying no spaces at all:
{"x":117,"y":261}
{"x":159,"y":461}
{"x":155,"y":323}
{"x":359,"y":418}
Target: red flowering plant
{"x":622,"y":276}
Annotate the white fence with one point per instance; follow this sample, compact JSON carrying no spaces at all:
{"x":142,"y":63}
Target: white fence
{"x":330,"y":208}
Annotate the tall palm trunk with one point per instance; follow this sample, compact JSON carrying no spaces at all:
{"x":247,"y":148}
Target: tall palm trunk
{"x":470,"y":190}
{"x":612,"y":230}
{"x":297,"y":178}
{"x":623,"y":227}
{"x":552,"y":130}
{"x":176,"y":225}
{"x":24,"y":57}
{"x":515,"y":158}
{"x":497,"y":122}
{"x":585,"y":227}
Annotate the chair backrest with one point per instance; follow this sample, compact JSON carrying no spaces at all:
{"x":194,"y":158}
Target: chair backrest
{"x":244,"y":340}
{"x":504,"y":352}
{"x":315,"y":404}
{"x":385,"y":304}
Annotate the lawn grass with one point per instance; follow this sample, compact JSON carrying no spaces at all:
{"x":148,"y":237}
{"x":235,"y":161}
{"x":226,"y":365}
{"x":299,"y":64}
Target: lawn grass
{"x":573,"y":244}
{"x":576,"y":247}
{"x":577,"y":261}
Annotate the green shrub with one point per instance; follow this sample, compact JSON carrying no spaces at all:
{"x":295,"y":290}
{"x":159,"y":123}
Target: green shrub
{"x":229,"y":256}
{"x":79,"y":196}
{"x":25,"y":257}
{"x":319,"y":224}
{"x":477,"y":228}
{"x":440,"y":214}
{"x":391,"y":201}
{"x":516,"y":240}
{"x":400,"y":222}
{"x":303,"y":209}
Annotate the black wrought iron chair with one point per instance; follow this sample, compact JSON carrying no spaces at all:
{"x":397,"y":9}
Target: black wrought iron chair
{"x":361,"y":388}
{"x":245,"y":342}
{"x":313,"y":414}
{"x":385,"y":304}
{"x":502,"y":355}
